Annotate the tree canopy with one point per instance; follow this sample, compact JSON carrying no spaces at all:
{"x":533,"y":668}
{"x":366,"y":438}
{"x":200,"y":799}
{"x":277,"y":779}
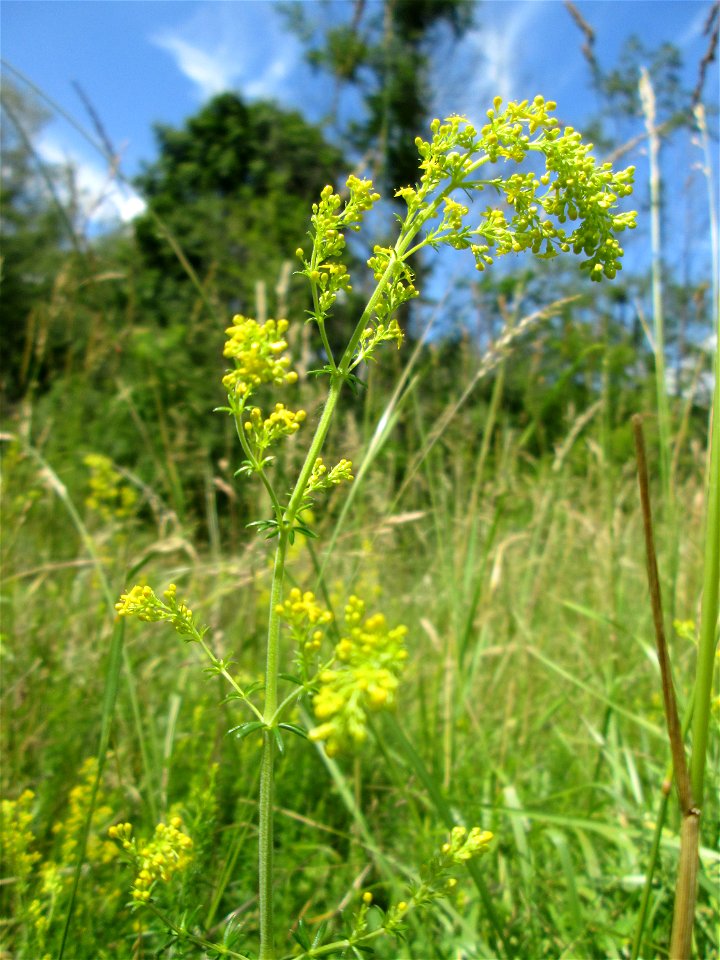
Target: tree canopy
{"x":233,"y":187}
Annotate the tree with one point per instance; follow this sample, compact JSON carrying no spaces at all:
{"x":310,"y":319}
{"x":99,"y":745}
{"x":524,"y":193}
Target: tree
{"x":384,"y":50}
{"x":33,"y":232}
{"x":233,"y":188}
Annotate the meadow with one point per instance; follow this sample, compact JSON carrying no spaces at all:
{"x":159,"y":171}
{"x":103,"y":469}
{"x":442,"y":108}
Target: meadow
{"x":493,"y":511}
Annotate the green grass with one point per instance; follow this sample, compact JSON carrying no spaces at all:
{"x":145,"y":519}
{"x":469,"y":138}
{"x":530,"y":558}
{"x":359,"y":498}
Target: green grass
{"x":531,"y":702}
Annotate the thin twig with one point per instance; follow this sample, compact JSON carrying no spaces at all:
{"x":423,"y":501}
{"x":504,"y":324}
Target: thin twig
{"x":686,"y":883}
{"x":671,"y":714}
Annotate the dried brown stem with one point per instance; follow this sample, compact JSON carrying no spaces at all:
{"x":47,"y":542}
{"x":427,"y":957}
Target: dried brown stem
{"x":686,"y":885}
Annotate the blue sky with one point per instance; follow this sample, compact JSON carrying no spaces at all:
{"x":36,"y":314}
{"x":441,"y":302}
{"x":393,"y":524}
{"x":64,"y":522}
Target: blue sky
{"x":147,"y":61}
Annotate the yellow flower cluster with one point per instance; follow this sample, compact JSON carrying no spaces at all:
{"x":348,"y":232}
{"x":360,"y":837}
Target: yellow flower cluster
{"x":402,"y":283}
{"x":143,"y":603}
{"x":324,"y":270}
{"x":370,"y":657}
{"x":281,"y":423}
{"x":321,"y":479}
{"x":258,"y":350}
{"x":17,"y":837}
{"x":301,"y":608}
{"x":464,"y":845}
{"x":573,"y":187}
{"x":108,"y":494}
{"x":69,"y":829}
{"x":380,"y":332}
{"x":169,"y":852}
{"x":305,"y":616}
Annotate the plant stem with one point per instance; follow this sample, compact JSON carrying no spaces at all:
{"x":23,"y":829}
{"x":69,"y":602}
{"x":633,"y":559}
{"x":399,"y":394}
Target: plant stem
{"x":647,"y":96}
{"x":682,"y":778}
{"x":709,"y":605}
{"x":286,"y":524}
{"x":686,"y":889}
{"x":657,"y":837}
{"x":267,"y":764}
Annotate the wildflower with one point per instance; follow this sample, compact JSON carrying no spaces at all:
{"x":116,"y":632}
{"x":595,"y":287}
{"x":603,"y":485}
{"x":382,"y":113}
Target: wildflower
{"x":574,"y":187}
{"x":302,"y":608}
{"x":329,"y":218}
{"x":306,"y":617}
{"x":464,"y":845}
{"x":169,"y":852}
{"x":143,"y":603}
{"x":321,"y":479}
{"x":109,"y":496}
{"x":69,"y":829}
{"x":259,"y":353}
{"x":369,"y":659}
{"x":17,"y":837}
{"x":262,"y":432}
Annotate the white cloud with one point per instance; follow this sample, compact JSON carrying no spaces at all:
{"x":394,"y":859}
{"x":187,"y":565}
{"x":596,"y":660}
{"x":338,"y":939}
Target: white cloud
{"x":102,"y":199}
{"x":266,"y":85}
{"x":226,"y":46}
{"x":695,"y":28}
{"x":212,"y":71}
{"x":490,"y":59}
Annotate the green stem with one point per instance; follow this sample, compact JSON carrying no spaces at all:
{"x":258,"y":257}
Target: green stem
{"x":660,"y":817}
{"x":298,"y":692}
{"x":224,"y":673}
{"x":337,"y":946}
{"x":321,"y":432}
{"x":257,"y":466}
{"x":663,"y":411}
{"x":709,"y":607}
{"x":183,"y":934}
{"x":286,"y":523}
{"x":267,"y":764}
{"x":686,"y":887}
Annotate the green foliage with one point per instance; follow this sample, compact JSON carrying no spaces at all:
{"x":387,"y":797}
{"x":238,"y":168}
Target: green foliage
{"x":232,"y":187}
{"x":384,"y":50}
{"x":503,"y":532}
{"x":361,"y":676}
{"x":34,"y":241}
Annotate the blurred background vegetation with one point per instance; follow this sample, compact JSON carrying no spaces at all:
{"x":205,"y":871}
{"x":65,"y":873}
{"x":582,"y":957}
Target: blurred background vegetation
{"x":494,"y":512}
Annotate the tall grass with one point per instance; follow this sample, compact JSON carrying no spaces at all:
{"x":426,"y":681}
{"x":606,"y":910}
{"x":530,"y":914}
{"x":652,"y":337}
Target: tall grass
{"x":531,"y":704}
{"x":532,"y":699}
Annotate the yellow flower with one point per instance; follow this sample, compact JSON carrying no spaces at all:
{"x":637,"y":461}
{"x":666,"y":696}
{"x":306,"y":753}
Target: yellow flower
{"x":169,"y":852}
{"x":365,"y":678}
{"x":258,"y":350}
{"x":17,"y":837}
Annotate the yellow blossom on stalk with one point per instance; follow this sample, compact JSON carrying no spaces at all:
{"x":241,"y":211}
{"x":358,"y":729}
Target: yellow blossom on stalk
{"x":464,"y":845}
{"x":306,"y":617}
{"x":17,"y":837}
{"x":69,"y":829}
{"x":169,"y":852}
{"x":301,"y":608}
{"x":259,"y":353}
{"x":321,"y":478}
{"x":108,"y":494}
{"x":329,"y":218}
{"x":261,"y":432}
{"x":370,"y":656}
{"x":143,"y":603}
{"x":573,"y":188}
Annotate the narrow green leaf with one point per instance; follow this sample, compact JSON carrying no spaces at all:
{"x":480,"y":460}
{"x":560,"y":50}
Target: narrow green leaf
{"x":245,"y":729}
{"x":290,"y":678}
{"x":294,"y":728}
